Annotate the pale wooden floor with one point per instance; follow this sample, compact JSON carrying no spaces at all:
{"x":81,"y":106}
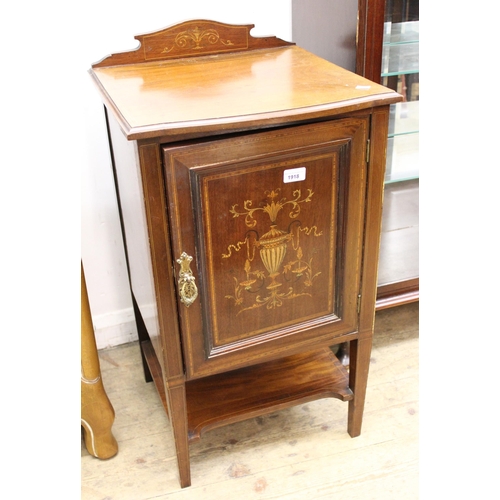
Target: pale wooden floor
{"x":302,"y":452}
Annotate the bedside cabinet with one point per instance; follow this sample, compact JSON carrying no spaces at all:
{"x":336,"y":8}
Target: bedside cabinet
{"x":250,"y":176}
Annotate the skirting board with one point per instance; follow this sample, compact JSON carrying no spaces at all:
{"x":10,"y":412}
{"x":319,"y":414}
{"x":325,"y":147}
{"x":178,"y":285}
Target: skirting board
{"x":115,"y":328}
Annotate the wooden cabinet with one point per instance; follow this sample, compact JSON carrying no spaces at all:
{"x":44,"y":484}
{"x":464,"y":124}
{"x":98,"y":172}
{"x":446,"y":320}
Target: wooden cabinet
{"x":250,"y":175}
{"x":388,"y":53}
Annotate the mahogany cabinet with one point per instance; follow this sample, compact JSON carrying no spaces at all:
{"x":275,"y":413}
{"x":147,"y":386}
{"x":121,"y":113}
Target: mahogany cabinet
{"x":250,"y":177}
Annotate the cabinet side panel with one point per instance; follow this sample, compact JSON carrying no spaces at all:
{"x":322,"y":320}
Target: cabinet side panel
{"x":136,"y":233}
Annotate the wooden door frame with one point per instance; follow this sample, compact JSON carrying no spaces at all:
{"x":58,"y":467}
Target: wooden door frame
{"x":370,"y":32}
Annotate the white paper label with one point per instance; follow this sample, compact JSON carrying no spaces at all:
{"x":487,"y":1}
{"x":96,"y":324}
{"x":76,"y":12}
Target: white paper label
{"x":294,"y":174}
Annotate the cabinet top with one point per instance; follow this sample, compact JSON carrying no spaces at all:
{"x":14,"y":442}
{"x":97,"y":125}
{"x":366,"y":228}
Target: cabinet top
{"x":191,"y":96}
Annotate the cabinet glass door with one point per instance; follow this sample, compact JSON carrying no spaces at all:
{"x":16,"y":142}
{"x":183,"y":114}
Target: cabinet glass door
{"x":400,"y":57}
{"x":400,"y":71}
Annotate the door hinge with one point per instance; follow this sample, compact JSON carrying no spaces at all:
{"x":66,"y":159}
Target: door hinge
{"x":368,"y":151}
{"x":358,"y":306}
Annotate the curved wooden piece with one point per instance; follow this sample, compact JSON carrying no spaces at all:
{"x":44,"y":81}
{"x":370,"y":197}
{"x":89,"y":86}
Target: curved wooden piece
{"x":261,"y":389}
{"x":97,"y":414}
{"x":199,"y":37}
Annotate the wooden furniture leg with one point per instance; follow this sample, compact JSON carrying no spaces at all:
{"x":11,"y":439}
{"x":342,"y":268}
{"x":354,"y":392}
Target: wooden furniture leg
{"x":97,"y":414}
{"x":177,"y":411}
{"x":359,"y":362}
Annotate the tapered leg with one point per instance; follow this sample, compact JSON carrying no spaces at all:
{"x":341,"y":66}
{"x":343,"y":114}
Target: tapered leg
{"x":178,"y":419}
{"x":359,"y":362}
{"x":97,"y":414}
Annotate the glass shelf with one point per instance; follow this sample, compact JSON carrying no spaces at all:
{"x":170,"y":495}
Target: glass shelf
{"x":400,"y":68}
{"x":404,"y":118}
{"x":403,"y":142}
{"x":396,"y":33}
{"x":400,"y":59}
{"x":402,"y":158}
{"x":400,"y":51}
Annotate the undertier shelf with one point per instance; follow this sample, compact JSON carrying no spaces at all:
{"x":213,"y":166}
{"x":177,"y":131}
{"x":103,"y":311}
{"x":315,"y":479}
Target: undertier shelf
{"x":258,"y":389}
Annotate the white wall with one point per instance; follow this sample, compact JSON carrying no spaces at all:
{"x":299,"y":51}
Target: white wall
{"x":110,"y":27}
{"x":327,"y":28}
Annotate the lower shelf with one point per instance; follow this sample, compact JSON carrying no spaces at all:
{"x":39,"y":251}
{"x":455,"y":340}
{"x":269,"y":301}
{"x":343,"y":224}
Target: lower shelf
{"x":259,"y":389}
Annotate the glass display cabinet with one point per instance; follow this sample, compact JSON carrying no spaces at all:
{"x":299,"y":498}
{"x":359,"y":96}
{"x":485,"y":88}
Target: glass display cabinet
{"x":388,"y":53}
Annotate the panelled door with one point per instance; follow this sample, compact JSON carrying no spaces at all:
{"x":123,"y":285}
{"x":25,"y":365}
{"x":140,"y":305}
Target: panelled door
{"x":267,"y":232}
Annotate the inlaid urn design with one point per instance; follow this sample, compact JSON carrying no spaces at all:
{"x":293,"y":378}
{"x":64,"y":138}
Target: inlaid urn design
{"x":273,"y":246}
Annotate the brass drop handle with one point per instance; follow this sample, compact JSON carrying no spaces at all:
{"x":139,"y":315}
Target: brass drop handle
{"x":187,"y":286}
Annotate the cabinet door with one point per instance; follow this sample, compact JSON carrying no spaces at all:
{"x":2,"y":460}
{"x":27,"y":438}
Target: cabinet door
{"x":270,"y":225}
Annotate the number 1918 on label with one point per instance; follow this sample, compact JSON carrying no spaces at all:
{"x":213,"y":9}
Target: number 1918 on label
{"x":294,"y":175}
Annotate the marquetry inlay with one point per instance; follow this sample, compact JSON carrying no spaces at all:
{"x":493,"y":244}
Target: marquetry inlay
{"x":282,"y":281}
